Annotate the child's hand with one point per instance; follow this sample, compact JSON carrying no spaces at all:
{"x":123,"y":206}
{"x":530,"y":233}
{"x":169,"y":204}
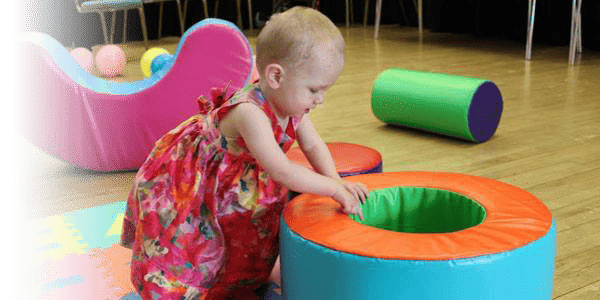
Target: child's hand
{"x":351,"y":195}
{"x":357,"y":189}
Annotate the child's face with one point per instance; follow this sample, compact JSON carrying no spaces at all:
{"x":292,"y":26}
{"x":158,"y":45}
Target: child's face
{"x":304,"y":87}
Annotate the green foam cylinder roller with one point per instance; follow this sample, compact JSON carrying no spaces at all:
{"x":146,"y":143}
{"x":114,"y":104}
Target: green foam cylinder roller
{"x":462,"y":107}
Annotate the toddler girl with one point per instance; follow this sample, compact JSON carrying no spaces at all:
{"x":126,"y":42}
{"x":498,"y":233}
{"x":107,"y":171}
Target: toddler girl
{"x":203,"y":214}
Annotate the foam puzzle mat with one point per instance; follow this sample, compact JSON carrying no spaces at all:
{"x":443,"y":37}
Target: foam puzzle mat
{"x":76,"y":255}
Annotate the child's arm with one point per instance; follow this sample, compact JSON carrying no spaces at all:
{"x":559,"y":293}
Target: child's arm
{"x":315,"y":149}
{"x":250,"y":122}
{"x":319,"y":156}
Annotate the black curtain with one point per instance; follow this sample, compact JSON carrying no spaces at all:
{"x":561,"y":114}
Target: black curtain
{"x":505,"y":19}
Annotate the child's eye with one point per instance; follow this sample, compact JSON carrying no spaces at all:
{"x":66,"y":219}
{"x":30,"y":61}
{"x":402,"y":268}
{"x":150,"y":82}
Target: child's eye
{"x":314,"y":91}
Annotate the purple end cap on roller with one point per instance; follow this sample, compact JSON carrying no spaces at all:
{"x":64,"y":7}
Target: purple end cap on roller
{"x":485,"y":111}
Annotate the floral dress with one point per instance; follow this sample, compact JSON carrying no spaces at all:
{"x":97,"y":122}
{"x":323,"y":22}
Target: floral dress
{"x":202,"y":217}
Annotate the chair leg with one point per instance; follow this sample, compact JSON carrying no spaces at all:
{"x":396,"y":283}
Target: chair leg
{"x":205,"y":9}
{"x":579,"y":42}
{"x":377,"y":18}
{"x":185,"y":4}
{"x":530,"y":21}
{"x":144,"y":28}
{"x":124,"y":26}
{"x":419,"y":8}
{"x":112,"y":28}
{"x":103,"y":21}
{"x":160,"y":17}
{"x":366,"y":12}
{"x":216,"y":8}
{"x":181,"y":17}
{"x":573,"y":39}
{"x":420,"y":14}
{"x":239,"y":14}
{"x":347,"y":14}
{"x":250,"y":14}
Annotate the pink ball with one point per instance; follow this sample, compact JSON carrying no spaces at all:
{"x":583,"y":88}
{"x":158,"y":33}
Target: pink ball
{"x":84,"y":58}
{"x":110,"y":60}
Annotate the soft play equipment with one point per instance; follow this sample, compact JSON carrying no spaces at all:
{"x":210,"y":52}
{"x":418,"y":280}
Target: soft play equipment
{"x":102,"y":125}
{"x":77,"y":255}
{"x":160,"y":62}
{"x":425,"y":235}
{"x":462,"y":107}
{"x":350,"y":159}
{"x":153,"y":60}
{"x":84,"y":58}
{"x":110,"y":60}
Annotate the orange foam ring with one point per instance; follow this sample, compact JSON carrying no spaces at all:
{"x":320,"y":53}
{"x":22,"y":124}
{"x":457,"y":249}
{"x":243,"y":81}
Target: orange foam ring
{"x":514,"y":218}
{"x":349,"y":158}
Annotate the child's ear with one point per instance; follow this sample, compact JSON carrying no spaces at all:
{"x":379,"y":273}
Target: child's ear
{"x":274,"y":75}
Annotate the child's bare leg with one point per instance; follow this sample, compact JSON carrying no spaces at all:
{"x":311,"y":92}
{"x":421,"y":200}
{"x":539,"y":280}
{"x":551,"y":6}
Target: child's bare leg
{"x":276,"y":275}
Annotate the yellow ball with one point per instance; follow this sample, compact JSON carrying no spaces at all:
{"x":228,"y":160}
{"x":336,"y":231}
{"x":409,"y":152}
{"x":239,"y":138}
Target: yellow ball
{"x":148,"y":57}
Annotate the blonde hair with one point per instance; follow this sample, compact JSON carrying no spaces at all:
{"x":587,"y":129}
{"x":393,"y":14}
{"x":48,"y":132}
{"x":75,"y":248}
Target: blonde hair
{"x":288,"y":37}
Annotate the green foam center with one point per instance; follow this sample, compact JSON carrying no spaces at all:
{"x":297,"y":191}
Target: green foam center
{"x":420,"y":210}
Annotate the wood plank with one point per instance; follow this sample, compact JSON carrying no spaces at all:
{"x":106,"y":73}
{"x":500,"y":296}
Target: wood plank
{"x":589,"y":292}
{"x":577,"y":260}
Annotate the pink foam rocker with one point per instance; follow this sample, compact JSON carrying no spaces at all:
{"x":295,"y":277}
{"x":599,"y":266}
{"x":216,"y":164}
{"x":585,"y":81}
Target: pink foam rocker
{"x":107,"y":126}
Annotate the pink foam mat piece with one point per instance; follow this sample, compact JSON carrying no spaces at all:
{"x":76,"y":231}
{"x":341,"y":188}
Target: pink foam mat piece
{"x":98,"y":274}
{"x":106,"y":131}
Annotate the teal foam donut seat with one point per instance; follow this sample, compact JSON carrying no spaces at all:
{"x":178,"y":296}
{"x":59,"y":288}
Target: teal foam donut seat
{"x":426,"y":236}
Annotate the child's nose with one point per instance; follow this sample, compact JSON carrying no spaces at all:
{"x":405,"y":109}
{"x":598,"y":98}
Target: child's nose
{"x":319,"y":98}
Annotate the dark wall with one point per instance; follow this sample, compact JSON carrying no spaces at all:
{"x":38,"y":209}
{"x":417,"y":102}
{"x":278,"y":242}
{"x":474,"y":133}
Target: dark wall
{"x":502,"y":19}
{"x":508,"y":19}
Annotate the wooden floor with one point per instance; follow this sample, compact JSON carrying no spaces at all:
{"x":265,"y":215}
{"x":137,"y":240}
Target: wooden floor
{"x":548,"y":140}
